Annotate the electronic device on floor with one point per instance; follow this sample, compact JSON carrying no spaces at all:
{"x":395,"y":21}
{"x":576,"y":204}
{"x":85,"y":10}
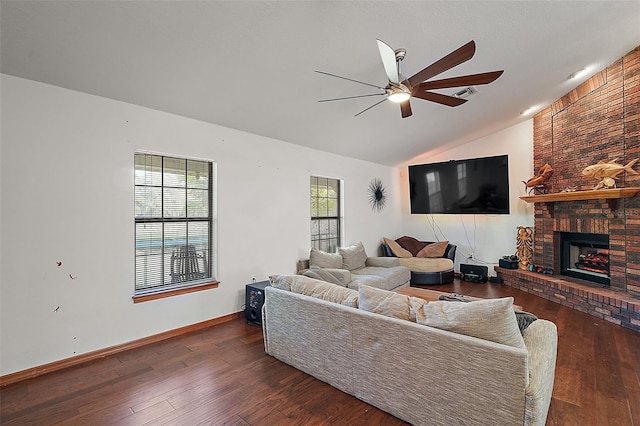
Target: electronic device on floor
{"x":254,"y":299}
{"x":473,"y":273}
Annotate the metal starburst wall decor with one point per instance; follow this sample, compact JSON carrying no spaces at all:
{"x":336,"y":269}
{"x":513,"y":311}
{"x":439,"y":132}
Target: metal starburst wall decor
{"x":377,"y":195}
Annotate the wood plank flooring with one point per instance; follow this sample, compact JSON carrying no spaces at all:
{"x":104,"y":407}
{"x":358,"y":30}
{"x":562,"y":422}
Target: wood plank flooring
{"x":221,"y":376}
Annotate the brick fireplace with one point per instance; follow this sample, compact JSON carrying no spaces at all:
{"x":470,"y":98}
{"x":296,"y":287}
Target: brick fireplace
{"x":599,"y":120}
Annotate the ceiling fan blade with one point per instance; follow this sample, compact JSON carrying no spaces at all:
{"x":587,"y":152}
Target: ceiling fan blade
{"x":439,"y":98}
{"x":405,"y":109}
{"x":367,"y":109}
{"x":465,"y":80}
{"x":388,"y":56}
{"x":454,"y":58}
{"x":350,"y":79}
{"x":350,"y":97}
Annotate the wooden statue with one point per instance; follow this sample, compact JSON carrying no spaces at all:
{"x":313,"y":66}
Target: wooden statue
{"x":538,"y":183}
{"x":524,"y":247}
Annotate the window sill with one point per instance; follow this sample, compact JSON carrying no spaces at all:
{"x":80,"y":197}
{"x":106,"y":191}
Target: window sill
{"x":175,"y":292}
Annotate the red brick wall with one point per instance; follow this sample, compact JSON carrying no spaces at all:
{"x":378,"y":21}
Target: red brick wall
{"x":599,"y":120}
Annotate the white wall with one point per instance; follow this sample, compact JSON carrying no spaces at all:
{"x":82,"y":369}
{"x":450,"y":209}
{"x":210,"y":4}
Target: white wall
{"x":486,"y":237}
{"x":67,"y":195}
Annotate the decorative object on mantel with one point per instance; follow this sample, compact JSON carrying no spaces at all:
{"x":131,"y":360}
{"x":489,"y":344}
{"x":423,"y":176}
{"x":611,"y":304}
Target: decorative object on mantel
{"x":570,"y":189}
{"x":538,"y":183}
{"x":524,"y":246}
{"x":607,"y":171}
{"x":377,"y":195}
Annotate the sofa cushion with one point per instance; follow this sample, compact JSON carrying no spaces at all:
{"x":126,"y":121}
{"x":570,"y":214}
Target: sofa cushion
{"x":323,"y":275}
{"x":433,"y":249}
{"x":396,"y":249}
{"x":411,"y":244}
{"x":321,"y":259}
{"x":316,"y":288}
{"x":388,"y":303}
{"x":395,"y":276}
{"x":353,"y":257}
{"x":282,"y":282}
{"x":524,"y":318}
{"x":490,"y":319}
{"x":370,"y":280}
{"x":427,"y":264}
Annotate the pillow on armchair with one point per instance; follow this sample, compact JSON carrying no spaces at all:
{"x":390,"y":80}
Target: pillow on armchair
{"x":396,"y":249}
{"x":434,"y":249}
{"x":411,"y":244}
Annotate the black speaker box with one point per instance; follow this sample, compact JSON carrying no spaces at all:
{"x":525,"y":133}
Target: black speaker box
{"x":254,"y":299}
{"x":474,"y":273}
{"x":508,"y":264}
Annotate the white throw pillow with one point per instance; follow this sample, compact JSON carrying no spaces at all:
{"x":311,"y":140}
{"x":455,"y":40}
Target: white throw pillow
{"x":353,"y":257}
{"x":489,"y":319}
{"x":321,"y":259}
{"x":383,"y":302}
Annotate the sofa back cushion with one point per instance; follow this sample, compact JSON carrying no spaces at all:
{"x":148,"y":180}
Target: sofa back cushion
{"x":384,"y":302}
{"x":353,"y":257}
{"x":489,"y":319}
{"x":315,"y":288}
{"x":321,"y":259}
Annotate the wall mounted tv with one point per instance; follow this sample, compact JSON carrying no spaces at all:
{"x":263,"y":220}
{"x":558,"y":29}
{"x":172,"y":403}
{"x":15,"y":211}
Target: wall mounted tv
{"x":473,"y":186}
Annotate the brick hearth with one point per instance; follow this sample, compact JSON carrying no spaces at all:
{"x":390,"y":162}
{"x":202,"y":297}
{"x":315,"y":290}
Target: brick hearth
{"x":599,"y":120}
{"x":610,"y":305}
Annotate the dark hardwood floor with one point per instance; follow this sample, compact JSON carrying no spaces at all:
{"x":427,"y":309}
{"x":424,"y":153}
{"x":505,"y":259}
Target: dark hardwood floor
{"x":221,"y":375}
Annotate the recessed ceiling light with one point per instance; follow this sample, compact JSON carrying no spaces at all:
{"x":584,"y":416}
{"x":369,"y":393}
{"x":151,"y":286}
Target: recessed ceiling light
{"x":578,"y":74}
{"x":528,"y":110}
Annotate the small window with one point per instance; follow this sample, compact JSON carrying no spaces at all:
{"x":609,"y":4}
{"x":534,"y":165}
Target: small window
{"x":174,"y":227}
{"x":325,"y":214}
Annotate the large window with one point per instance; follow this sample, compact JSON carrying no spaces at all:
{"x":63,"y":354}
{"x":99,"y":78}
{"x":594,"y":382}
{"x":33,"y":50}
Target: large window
{"x":325,"y":214}
{"x":174,"y":227}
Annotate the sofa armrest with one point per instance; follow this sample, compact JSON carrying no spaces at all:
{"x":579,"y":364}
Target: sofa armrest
{"x":541,"y":339}
{"x":450,"y":252}
{"x":383,"y":262}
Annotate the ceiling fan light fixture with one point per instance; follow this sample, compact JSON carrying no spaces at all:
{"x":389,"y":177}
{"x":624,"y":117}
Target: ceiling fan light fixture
{"x":399,"y":97}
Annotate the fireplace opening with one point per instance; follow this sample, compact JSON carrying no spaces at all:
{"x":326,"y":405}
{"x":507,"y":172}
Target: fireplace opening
{"x":585,"y":256}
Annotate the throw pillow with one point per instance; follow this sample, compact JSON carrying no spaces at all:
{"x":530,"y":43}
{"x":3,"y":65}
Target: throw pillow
{"x":384,"y":302}
{"x":396,"y":249}
{"x":490,"y":319}
{"x":433,"y":249}
{"x":322,"y":275}
{"x":353,"y":257}
{"x":322,"y":259}
{"x":324,"y":290}
{"x":411,"y":244}
{"x":524,"y":318}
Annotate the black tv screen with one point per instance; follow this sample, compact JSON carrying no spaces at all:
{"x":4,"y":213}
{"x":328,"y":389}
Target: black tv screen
{"x":473,"y":186}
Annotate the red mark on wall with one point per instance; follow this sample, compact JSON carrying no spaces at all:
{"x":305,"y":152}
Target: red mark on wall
{"x":59,"y":263}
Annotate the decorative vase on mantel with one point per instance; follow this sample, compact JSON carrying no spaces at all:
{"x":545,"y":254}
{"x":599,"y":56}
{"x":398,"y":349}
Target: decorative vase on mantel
{"x":524,"y":247}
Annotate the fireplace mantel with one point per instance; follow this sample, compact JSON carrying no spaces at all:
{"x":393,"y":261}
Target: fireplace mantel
{"x":600,"y":194}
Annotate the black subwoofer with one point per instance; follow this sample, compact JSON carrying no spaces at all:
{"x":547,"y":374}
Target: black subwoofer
{"x":254,"y":299}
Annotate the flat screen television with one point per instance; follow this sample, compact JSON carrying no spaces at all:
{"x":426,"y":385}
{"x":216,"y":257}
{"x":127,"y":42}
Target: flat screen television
{"x":473,"y":186}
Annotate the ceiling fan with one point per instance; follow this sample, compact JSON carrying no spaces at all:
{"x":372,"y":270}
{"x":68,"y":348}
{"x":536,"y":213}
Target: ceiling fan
{"x":401,"y":89}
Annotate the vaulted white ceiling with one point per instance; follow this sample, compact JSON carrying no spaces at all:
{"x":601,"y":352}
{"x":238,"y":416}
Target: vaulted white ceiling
{"x":250,"y":65}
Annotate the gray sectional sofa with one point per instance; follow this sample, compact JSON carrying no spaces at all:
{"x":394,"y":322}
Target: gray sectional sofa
{"x":422,"y":374}
{"x":351,"y":267}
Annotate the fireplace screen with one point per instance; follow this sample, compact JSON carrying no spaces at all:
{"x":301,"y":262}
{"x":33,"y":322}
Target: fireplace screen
{"x":585,"y":256}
